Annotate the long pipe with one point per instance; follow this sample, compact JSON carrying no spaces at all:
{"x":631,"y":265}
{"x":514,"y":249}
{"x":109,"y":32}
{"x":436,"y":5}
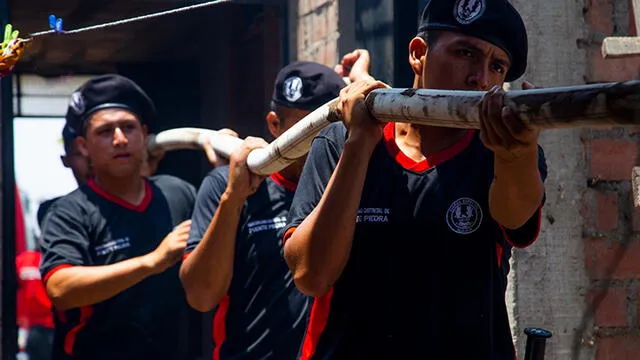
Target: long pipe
{"x":550,"y":108}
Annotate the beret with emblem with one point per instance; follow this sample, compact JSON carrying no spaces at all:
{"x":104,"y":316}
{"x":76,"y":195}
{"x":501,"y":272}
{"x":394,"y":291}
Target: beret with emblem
{"x":105,"y":92}
{"x":495,"y":21}
{"x":306,"y":85}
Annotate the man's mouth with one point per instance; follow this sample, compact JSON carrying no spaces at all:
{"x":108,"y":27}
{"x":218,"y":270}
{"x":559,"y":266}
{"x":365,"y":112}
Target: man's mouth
{"x":122,"y":156}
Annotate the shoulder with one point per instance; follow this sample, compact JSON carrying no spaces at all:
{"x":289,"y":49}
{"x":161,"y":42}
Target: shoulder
{"x":76,"y":207}
{"x":216,"y":178}
{"x":219,"y":173}
{"x":75,"y":200}
{"x":335,"y":133}
{"x":169,"y":182}
{"x":43,"y":208}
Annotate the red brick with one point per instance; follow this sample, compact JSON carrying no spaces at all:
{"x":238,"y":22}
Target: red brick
{"x":605,"y":70}
{"x":588,"y":209}
{"x":612,"y":309}
{"x":612,"y":159}
{"x":599,"y":16}
{"x":601,"y":259}
{"x":607,"y":215}
{"x":632,"y":21}
{"x":618,"y":348}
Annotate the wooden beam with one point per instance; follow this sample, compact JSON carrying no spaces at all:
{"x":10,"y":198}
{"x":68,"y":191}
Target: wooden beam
{"x":615,"y":47}
{"x":635,"y":185}
{"x":620,"y":47}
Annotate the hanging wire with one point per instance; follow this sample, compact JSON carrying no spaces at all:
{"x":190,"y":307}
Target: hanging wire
{"x":127,"y":21}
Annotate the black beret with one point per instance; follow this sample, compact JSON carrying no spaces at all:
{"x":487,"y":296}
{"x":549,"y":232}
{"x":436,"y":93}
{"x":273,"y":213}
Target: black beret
{"x":68,"y":135}
{"x":306,"y":85}
{"x":495,"y":21}
{"x":104,"y":92}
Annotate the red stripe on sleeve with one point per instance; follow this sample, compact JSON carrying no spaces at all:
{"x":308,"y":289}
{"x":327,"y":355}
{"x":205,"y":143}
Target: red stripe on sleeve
{"x":317,"y":324}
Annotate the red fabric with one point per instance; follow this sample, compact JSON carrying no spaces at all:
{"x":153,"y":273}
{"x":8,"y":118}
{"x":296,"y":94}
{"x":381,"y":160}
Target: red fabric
{"x":317,"y":323}
{"x":33,"y":302}
{"x":220,"y":326}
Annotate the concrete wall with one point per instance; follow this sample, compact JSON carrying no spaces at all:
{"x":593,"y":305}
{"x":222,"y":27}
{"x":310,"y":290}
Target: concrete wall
{"x":548,"y":283}
{"x":581,"y":279}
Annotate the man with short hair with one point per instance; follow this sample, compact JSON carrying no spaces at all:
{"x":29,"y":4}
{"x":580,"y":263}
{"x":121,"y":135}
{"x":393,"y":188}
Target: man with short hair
{"x":403,"y":232}
{"x":111,"y":249}
{"x":233,"y":260}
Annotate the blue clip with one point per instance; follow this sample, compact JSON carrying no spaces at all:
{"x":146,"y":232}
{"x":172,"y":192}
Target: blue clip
{"x":55,"y":23}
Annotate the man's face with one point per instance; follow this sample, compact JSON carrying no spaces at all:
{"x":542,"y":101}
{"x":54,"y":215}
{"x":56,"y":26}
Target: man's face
{"x":462,"y":62}
{"x":78,"y":163}
{"x":115,"y":142}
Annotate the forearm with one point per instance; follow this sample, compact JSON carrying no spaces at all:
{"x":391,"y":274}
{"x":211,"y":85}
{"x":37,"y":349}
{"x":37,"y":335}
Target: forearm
{"x":319,"y":248}
{"x":206,"y":273}
{"x":78,"y":286}
{"x":517,"y":190}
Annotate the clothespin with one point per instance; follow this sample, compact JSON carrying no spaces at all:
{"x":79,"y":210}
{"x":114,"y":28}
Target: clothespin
{"x":55,"y":23}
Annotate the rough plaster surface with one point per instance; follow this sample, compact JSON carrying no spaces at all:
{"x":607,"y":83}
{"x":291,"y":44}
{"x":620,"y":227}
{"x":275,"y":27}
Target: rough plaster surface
{"x":548,"y":282}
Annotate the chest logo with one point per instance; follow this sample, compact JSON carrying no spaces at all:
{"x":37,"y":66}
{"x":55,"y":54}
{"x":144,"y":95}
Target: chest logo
{"x":373,"y":215}
{"x":467,"y":11}
{"x":112,"y":246}
{"x":268,"y":224}
{"x":464,"y":216}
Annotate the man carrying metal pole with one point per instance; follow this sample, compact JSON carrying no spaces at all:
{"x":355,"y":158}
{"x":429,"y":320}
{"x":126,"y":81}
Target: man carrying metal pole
{"x":403,"y":233}
{"x":233,"y":260}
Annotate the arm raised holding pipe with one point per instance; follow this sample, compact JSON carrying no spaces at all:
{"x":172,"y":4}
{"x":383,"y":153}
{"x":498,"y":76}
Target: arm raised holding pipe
{"x":319,"y":248}
{"x":517,"y":189}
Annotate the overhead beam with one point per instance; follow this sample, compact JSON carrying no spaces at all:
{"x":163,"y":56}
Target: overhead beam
{"x":616,"y":47}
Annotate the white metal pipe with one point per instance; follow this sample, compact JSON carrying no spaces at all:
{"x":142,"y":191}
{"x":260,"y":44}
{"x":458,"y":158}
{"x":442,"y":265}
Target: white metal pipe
{"x":559,"y":107}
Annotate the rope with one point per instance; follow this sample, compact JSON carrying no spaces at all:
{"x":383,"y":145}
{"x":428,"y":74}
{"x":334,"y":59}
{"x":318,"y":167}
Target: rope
{"x":130,"y":20}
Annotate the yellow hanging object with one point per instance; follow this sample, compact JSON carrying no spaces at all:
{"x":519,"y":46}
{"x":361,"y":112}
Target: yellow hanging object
{"x":11,"y":50}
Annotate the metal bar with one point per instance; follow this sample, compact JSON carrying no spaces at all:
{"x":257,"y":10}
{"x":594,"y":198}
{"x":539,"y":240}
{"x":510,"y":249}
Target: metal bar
{"x":8,"y":248}
{"x":536,"y":343}
{"x":550,"y":108}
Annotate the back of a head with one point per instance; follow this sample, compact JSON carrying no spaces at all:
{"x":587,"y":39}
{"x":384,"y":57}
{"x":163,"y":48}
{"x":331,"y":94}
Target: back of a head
{"x":494,"y":21}
{"x":68,"y":137}
{"x":306,"y":85}
{"x":104,"y":92}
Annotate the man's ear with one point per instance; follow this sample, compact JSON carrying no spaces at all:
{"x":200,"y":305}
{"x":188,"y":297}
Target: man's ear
{"x":273,"y":123}
{"x":81,"y":143}
{"x":417,"y":54}
{"x":145,"y":133}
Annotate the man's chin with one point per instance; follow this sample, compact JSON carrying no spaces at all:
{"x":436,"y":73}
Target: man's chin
{"x":127,"y":169}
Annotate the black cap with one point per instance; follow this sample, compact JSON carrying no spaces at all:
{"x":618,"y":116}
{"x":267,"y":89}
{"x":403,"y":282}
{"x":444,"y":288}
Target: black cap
{"x":306,"y":85}
{"x":495,"y":21}
{"x":68,"y":135}
{"x":104,"y":92}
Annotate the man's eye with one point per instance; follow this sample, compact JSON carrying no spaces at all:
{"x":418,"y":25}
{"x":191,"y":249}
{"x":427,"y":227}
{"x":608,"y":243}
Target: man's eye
{"x":499,"y":68}
{"x":465,"y":52}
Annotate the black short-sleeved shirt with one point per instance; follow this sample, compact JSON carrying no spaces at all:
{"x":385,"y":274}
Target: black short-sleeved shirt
{"x":263,"y":315}
{"x":150,"y":320}
{"x":427,"y":272}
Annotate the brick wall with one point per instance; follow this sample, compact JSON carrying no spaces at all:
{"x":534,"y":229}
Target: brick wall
{"x":317,"y":31}
{"x":611,"y":224}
